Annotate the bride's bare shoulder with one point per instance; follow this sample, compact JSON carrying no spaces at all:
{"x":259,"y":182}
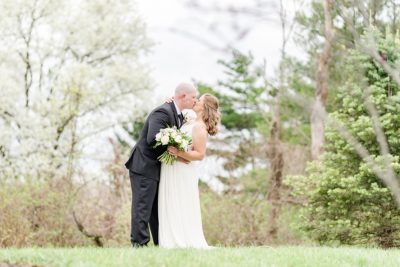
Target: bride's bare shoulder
{"x":199,"y":126}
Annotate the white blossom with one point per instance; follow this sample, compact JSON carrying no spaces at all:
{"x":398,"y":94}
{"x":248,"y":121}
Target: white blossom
{"x":178,"y":139}
{"x":158,"y":136}
{"x":84,"y":75}
{"x":184,"y":145}
{"x":165,"y":140}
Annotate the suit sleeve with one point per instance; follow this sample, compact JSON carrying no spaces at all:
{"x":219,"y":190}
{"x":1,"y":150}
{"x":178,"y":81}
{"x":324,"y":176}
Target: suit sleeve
{"x":157,"y":121}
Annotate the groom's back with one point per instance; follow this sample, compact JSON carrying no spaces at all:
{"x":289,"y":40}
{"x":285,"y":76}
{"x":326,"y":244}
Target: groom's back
{"x":143,"y":159}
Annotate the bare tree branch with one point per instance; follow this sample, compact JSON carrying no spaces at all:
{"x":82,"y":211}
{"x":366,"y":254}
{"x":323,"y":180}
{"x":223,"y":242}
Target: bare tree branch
{"x":26,"y":57}
{"x":96,"y":238}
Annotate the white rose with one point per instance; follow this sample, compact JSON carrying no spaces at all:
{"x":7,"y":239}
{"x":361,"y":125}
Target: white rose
{"x":173,"y":134}
{"x":164,"y":140}
{"x":165,"y":133}
{"x":184,"y":145}
{"x":178,"y":139}
{"x":158,"y":136}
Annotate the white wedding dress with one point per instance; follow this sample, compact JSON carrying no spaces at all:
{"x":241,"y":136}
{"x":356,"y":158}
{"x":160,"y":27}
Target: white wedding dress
{"x":179,"y":214}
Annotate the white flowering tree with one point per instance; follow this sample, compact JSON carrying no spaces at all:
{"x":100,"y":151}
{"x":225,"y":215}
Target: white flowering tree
{"x":69,"y":71}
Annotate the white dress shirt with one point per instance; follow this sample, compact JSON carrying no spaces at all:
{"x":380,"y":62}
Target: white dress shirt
{"x":177,"y":108}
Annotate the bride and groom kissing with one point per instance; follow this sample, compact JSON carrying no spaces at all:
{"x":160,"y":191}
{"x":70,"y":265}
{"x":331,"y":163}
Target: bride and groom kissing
{"x":166,"y":197}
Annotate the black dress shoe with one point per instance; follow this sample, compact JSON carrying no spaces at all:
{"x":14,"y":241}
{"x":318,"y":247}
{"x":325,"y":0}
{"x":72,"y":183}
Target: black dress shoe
{"x":137,"y":245}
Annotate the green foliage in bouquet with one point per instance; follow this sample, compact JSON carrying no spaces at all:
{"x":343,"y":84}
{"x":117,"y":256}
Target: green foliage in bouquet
{"x":346,"y":202}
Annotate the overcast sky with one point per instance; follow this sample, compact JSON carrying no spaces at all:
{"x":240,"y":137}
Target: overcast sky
{"x":177,"y":57}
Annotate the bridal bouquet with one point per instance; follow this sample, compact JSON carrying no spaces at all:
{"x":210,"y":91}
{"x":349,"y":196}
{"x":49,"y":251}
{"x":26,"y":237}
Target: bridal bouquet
{"x":172,"y":136}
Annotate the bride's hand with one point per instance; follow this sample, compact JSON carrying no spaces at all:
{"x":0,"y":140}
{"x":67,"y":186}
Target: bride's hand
{"x":169,"y":100}
{"x":173,"y":150}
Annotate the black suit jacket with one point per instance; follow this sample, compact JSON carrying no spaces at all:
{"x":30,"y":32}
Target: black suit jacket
{"x":143,"y":159}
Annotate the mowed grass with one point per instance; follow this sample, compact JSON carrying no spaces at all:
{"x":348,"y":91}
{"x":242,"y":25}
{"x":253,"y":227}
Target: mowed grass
{"x":221,"y":256}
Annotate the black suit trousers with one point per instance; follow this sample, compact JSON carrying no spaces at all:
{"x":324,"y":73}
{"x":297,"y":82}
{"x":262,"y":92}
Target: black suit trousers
{"x":144,"y":209}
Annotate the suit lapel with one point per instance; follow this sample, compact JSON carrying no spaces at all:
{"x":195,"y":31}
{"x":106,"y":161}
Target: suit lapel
{"x":175,"y":114}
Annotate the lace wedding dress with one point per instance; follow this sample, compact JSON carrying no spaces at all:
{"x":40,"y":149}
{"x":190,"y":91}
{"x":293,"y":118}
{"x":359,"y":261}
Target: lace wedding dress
{"x":179,"y":214}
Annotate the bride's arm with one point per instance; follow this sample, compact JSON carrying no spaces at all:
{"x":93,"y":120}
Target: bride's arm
{"x":183,"y":160}
{"x":199,"y":145}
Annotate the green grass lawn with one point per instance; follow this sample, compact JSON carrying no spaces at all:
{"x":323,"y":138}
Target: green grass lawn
{"x":241,"y":256}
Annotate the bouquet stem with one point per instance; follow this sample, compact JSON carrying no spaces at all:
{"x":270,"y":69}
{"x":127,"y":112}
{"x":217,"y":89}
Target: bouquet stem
{"x":167,"y":158}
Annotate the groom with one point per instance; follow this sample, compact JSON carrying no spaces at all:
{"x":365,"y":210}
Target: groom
{"x":144,"y":167}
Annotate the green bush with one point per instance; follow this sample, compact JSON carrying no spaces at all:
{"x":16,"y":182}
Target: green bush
{"x":347,"y":202}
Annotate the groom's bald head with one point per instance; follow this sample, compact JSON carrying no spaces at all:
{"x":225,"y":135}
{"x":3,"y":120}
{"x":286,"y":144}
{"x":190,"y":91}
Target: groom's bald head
{"x":184,"y":88}
{"x":186,"y":95}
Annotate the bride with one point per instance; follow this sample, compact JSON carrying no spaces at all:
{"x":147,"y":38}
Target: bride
{"x":179,"y":212}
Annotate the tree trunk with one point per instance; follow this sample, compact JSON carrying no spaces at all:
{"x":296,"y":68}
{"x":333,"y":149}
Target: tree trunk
{"x":275,"y":180}
{"x":319,"y":108}
{"x":275,"y":153}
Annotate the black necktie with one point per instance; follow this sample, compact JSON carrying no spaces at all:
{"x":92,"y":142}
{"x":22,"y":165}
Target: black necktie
{"x":180,"y":116}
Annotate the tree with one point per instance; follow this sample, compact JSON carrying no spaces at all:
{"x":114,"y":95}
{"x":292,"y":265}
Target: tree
{"x":336,"y":25}
{"x":278,"y":91}
{"x":348,"y":202}
{"x":318,"y":112}
{"x":242,"y":96}
{"x":69,"y":71}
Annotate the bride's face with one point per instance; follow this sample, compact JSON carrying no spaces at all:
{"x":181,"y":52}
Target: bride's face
{"x":199,"y":107}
